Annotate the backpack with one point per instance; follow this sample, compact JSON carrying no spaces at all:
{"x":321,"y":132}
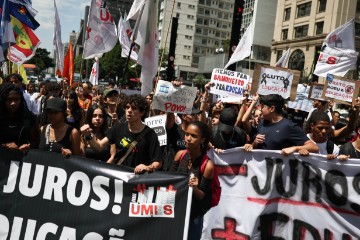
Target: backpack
{"x":215,"y":183}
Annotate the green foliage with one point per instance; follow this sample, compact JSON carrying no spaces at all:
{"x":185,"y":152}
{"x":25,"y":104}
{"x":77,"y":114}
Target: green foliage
{"x":41,"y":59}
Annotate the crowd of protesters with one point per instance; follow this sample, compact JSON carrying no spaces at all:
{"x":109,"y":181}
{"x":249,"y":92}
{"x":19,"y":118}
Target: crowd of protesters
{"x":103,"y":123}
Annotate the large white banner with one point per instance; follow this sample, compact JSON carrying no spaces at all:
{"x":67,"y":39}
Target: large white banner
{"x":157,"y":123}
{"x":268,"y":196}
{"x":168,"y":98}
{"x":228,"y":83}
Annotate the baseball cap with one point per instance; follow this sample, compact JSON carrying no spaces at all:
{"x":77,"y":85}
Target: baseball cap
{"x":227,"y":120}
{"x":57,"y":104}
{"x":108,"y":91}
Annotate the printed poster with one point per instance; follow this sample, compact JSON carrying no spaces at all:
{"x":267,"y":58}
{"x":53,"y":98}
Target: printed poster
{"x":228,"y":83}
{"x":157,"y":123}
{"x":341,"y":89}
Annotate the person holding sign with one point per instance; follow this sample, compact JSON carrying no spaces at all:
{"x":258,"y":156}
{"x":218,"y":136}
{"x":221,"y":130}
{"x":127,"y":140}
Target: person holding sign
{"x":137,"y":145}
{"x":278,"y":133}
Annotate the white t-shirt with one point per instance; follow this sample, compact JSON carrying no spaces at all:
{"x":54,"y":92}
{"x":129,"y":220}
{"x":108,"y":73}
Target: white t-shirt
{"x":322,"y":146}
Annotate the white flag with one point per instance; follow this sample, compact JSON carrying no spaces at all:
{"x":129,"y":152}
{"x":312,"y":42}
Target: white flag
{"x":342,"y":37}
{"x":147,"y":40}
{"x":338,"y":55}
{"x":243,"y":49}
{"x":125,"y":32}
{"x":284,"y":58}
{"x":59,"y":47}
{"x":94,"y":75}
{"x":101,"y":31}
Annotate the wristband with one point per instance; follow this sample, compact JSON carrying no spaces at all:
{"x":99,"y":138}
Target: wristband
{"x":88,"y":138}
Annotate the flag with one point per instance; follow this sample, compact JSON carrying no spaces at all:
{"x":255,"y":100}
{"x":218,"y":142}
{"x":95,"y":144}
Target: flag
{"x":243,"y":49}
{"x":6,"y":32}
{"x":94,"y":75}
{"x":101,"y":31}
{"x":284,"y":58}
{"x":59,"y":47}
{"x":27,"y":4}
{"x":338,"y":54}
{"x":21,"y":12}
{"x":342,"y":37}
{"x":20,"y":70}
{"x":68,"y":71}
{"x":26,"y":43}
{"x":147,"y":40}
{"x":125,"y":32}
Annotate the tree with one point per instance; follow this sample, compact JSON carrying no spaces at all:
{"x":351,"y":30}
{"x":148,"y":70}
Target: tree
{"x":42,"y":59}
{"x":199,"y":81}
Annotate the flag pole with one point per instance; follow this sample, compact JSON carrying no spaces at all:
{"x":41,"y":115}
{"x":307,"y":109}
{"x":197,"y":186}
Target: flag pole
{"x":134,"y":35}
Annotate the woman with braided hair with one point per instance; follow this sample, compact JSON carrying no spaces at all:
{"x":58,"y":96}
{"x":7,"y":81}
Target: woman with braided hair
{"x":18,"y":126}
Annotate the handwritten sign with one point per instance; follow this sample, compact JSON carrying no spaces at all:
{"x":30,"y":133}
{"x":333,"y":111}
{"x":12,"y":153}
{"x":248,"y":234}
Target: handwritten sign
{"x":228,"y":83}
{"x":275,"y":80}
{"x":169,"y":98}
{"x":157,"y":123}
{"x":341,"y":90}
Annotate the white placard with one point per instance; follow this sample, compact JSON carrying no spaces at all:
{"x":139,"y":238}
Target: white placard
{"x":301,"y":101}
{"x":157,"y":123}
{"x":340,"y":90}
{"x":274,"y":81}
{"x":228,"y":83}
{"x":169,"y":98}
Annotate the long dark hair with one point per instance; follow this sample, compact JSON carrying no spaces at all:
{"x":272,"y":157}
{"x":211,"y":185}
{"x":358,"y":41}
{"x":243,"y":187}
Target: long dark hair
{"x":23,"y":111}
{"x":205,"y":133}
{"x":75,"y":109}
{"x":90,"y":114}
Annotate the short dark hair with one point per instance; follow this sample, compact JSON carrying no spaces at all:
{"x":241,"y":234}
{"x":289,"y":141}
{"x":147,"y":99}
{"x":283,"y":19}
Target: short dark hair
{"x":136,"y":100}
{"x":273,"y":100}
{"x":319,"y":116}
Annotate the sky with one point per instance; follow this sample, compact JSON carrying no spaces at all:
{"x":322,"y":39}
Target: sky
{"x":70,"y":13}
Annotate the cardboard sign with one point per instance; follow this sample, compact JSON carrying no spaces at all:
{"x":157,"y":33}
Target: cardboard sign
{"x":275,"y":80}
{"x":169,"y":98}
{"x":316,"y":91}
{"x":341,"y":90}
{"x":157,"y":123}
{"x":228,"y":83}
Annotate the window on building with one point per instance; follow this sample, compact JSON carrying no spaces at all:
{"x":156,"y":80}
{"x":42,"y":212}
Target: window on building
{"x":221,"y":5}
{"x":303,"y":9}
{"x":204,"y":41}
{"x":200,"y":21}
{"x":208,"y":2}
{"x":201,"y":10}
{"x":357,"y":29}
{"x":202,"y":2}
{"x":287,"y":14}
{"x":226,"y":16}
{"x":217,"y":34}
{"x":206,"y":22}
{"x":278,"y":55}
{"x":189,"y":27}
{"x":284,"y":34}
{"x":205,"y":31}
{"x":220,"y":15}
{"x":195,"y":59}
{"x":319,"y":28}
{"x":188,"y":37}
{"x":322,"y":6}
{"x":207,"y":12}
{"x":198,"y":30}
{"x":178,"y":15}
{"x":179,"y":5}
{"x":190,"y":16}
{"x":301,"y":31}
{"x":358,"y":6}
{"x":191,"y":6}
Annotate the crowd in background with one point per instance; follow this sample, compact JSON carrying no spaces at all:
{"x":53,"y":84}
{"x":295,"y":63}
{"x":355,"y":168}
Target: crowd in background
{"x":103,"y":123}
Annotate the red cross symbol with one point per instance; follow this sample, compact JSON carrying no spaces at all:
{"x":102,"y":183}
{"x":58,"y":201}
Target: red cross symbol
{"x":229,"y":232}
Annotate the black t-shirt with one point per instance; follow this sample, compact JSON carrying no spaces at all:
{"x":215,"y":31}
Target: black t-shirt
{"x":16,"y":130}
{"x":282,"y":134}
{"x":349,"y":150}
{"x":235,"y":139}
{"x":146,"y":151}
{"x":176,"y":138}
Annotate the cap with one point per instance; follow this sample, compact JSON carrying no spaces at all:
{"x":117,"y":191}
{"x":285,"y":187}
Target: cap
{"x":195,"y":111}
{"x":227,"y":120}
{"x":57,"y":104}
{"x":108,"y":91}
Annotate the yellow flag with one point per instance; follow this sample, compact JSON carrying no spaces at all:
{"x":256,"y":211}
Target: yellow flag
{"x":20,"y":70}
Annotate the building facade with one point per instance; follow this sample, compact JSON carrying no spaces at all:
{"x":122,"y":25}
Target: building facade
{"x":202,"y":26}
{"x":303,"y":26}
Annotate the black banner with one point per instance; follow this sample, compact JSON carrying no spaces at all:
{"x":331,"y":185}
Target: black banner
{"x":46,"y":196}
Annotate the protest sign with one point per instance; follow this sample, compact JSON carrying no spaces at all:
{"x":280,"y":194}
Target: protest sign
{"x":268,"y":196}
{"x":45,"y":196}
{"x":275,"y":80}
{"x":228,"y":83}
{"x":301,"y":101}
{"x":169,"y":98}
{"x":316,"y":91}
{"x":341,"y":89}
{"x":157,"y":123}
